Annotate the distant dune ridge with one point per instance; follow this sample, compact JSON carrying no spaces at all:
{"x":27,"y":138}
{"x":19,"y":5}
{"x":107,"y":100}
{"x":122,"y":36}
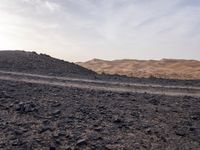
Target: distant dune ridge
{"x":164,"y":68}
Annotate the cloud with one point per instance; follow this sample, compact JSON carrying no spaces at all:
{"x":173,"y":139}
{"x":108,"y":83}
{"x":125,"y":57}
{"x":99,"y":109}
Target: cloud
{"x":52,"y":6}
{"x":43,"y":5}
{"x":109,"y":28}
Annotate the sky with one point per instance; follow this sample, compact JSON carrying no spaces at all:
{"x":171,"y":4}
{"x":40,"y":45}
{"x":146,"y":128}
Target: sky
{"x":80,"y":30}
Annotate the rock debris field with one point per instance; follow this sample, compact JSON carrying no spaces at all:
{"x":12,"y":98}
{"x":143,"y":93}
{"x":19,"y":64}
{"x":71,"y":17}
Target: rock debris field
{"x":49,"y":117}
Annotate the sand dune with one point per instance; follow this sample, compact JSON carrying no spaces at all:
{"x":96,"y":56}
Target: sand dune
{"x":164,"y":68}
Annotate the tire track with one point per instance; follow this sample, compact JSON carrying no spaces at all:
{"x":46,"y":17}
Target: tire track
{"x":100,"y":85}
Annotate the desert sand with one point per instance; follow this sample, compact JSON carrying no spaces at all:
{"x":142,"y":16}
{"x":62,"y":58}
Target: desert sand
{"x":164,"y":68}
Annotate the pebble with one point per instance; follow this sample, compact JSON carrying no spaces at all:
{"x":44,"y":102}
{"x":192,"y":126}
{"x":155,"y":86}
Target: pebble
{"x":81,"y":142}
{"x":56,"y":112}
{"x":148,"y":130}
{"x":52,"y":148}
{"x":25,"y":107}
{"x":195,"y":116}
{"x":43,"y":129}
{"x":117,"y":120}
{"x":98,"y":129}
{"x":181,"y":132}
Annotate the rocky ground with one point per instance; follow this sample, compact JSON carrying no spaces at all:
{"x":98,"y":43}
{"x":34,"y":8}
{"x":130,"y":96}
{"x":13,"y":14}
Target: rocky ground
{"x":54,"y":117}
{"x":34,"y":116}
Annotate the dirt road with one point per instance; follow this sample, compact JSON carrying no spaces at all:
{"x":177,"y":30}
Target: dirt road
{"x":101,"y":85}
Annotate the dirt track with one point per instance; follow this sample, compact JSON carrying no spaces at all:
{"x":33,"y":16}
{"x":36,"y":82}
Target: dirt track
{"x":101,"y":85}
{"x":56,"y":113}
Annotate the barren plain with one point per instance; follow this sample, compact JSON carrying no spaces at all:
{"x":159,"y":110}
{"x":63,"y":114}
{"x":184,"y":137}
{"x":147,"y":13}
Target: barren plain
{"x":50,"y":104}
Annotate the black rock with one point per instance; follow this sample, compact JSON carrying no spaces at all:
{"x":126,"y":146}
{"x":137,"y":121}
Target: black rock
{"x":61,"y":133}
{"x":4,"y":94}
{"x":57,"y":141}
{"x":18,"y":132}
{"x":16,"y":142}
{"x":25,"y":107}
{"x":43,"y":129}
{"x":154,"y":101}
{"x":68,"y":148}
{"x":56,"y":104}
{"x":81,"y":142}
{"x":182,"y":131}
{"x":52,"y":148}
{"x":195,"y":116}
{"x":56,"y":112}
{"x":148,"y":130}
{"x":98,"y":129}
{"x":117,"y":120}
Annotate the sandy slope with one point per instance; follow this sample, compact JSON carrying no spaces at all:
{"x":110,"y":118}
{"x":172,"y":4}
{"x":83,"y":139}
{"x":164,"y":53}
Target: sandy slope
{"x":164,"y":68}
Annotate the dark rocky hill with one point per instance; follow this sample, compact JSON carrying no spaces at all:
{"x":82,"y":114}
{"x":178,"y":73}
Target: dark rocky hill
{"x":31,"y":62}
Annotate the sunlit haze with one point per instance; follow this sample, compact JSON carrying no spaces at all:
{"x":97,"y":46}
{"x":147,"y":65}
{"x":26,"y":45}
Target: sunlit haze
{"x":79,"y":30}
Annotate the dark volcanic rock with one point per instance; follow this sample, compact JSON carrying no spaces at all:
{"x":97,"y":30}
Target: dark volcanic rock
{"x":195,"y":116}
{"x":81,"y":142}
{"x":90,"y":119}
{"x":4,"y":94}
{"x":52,"y":148}
{"x":43,"y":129}
{"x":31,"y":62}
{"x":56,"y":112}
{"x":183,"y":131}
{"x":25,"y":107}
{"x":154,"y":101}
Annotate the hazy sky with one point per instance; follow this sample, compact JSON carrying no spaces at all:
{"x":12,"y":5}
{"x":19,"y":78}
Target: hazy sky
{"x":79,"y":30}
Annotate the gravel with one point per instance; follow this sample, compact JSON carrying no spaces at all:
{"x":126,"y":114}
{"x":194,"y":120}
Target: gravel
{"x":89,"y":119}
